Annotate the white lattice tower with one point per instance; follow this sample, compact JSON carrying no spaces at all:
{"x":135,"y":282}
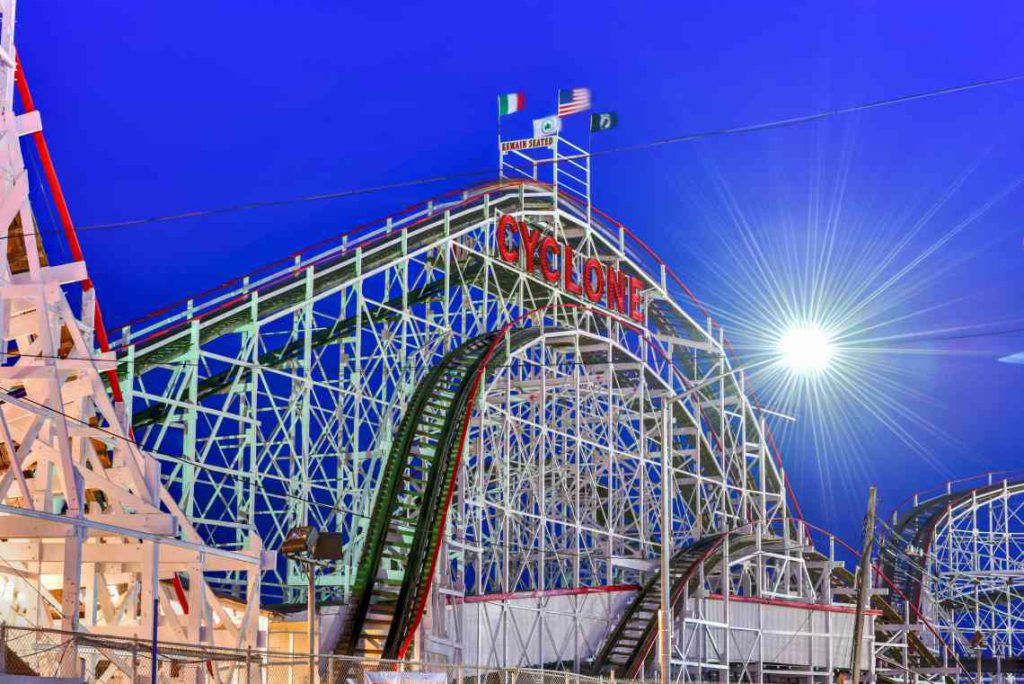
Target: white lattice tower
{"x":91,"y":540}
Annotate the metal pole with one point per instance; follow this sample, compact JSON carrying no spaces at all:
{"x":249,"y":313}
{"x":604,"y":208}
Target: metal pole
{"x":154,"y":669}
{"x":863,"y":573}
{"x":311,"y":619}
{"x":665,"y":615}
{"x":152,"y":645}
{"x":662,"y":651}
{"x":135,"y":661}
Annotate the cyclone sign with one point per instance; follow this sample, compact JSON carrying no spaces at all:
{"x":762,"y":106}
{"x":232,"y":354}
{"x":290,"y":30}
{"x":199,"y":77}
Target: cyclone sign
{"x":530,"y":250}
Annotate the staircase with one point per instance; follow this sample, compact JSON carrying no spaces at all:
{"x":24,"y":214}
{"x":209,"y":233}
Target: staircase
{"x":629,"y":642}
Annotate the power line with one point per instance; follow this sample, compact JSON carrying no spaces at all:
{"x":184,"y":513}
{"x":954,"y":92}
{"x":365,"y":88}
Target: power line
{"x":808,"y":118}
{"x":689,"y":137}
{"x":246,"y":206}
{"x":958,"y":336}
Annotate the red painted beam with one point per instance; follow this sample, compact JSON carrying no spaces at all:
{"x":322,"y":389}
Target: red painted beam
{"x":789,"y":603}
{"x":70,"y":234}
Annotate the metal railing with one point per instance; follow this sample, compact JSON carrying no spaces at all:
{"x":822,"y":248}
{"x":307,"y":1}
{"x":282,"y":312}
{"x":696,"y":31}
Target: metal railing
{"x":104,"y":659}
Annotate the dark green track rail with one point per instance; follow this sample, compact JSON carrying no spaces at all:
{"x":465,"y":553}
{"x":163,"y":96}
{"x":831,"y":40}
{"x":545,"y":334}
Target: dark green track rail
{"x":168,"y":344}
{"x":219,"y":382}
{"x":408,"y":515}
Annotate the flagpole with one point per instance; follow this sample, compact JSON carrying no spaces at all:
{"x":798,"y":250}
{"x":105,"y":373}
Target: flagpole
{"x":590,"y":164}
{"x":501,"y":171}
{"x":554,"y":160}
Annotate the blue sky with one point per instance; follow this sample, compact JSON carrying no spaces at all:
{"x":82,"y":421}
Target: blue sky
{"x":156,"y":108}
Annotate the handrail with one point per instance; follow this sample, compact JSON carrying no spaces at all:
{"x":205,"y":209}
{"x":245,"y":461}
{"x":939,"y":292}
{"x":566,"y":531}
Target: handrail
{"x":946,"y":487}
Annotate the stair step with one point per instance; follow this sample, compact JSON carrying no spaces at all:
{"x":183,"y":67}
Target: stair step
{"x":377,"y":620}
{"x":389,"y":581}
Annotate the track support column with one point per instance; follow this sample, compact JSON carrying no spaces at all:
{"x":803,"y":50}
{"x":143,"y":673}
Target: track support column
{"x":665,"y":619}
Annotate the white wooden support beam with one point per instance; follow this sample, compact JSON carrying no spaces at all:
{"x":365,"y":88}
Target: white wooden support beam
{"x":701,"y":345}
{"x":895,"y":629}
{"x":60,"y":274}
{"x":17,"y":527}
{"x":69,"y":602}
{"x":29,"y":122}
{"x":850,"y":591}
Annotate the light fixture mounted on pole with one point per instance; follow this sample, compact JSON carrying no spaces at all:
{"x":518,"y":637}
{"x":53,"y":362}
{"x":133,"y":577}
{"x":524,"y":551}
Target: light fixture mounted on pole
{"x":311,"y":548}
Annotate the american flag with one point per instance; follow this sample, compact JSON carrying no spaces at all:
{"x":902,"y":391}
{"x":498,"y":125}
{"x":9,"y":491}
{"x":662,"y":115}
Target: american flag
{"x":573,"y":101}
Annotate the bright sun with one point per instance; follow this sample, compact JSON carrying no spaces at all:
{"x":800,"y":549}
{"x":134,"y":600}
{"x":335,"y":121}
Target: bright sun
{"x":806,"y":349}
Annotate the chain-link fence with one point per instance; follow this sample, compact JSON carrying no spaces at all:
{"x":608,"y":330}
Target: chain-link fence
{"x":123,"y":660}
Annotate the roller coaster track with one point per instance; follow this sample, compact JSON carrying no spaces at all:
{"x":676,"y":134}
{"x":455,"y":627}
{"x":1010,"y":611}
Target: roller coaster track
{"x":217,"y":383}
{"x":906,"y":551}
{"x":915,"y":528}
{"x":397,"y":559}
{"x":229,"y":308}
{"x":633,"y":637}
{"x":226,"y":309}
{"x":404,"y":522}
{"x":921,"y":655}
{"x":409,"y":513}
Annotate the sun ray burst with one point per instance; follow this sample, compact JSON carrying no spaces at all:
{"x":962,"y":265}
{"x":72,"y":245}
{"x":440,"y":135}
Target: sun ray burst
{"x":834,"y":314}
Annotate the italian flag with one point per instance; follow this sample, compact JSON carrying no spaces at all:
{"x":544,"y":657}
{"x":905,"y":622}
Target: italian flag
{"x":511,"y":103}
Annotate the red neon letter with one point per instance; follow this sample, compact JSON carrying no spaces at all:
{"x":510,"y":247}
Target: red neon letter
{"x":530,"y":238}
{"x":509,"y":253}
{"x":549,"y":259}
{"x":571,"y":286}
{"x":593,"y":280}
{"x":636,"y":286}
{"x":617,"y":285}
